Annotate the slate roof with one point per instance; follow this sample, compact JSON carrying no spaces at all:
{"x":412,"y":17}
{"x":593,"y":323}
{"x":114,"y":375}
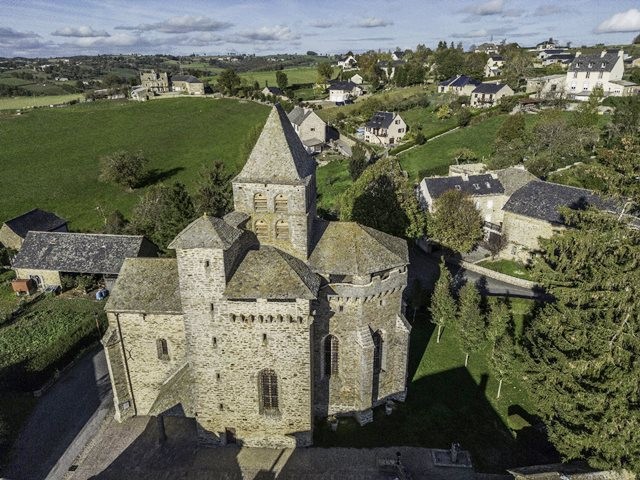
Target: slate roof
{"x":541,"y":200}
{"x":274,"y":90}
{"x":381,"y":120}
{"x":146,"y":285}
{"x":80,"y":252}
{"x":206,"y":232}
{"x":491,"y":88}
{"x":484,"y":184}
{"x":272,"y":274}
{"x":184,"y":78}
{"x":37,"y":220}
{"x":278,"y":156}
{"x":459,"y":81}
{"x":340,"y":85}
{"x":298,"y":114}
{"x":561,"y":56}
{"x":497,"y":58}
{"x":594,"y":63}
{"x":348,"y":248}
{"x":513,"y":178}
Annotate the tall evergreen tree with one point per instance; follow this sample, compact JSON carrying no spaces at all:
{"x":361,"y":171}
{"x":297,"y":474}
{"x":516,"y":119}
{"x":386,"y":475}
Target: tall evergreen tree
{"x":443,"y":305}
{"x":470,"y":323}
{"x":503,"y":357}
{"x":214,"y":195}
{"x":583,"y":350}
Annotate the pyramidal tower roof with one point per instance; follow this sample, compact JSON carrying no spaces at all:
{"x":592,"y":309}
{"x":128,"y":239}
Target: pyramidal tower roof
{"x":206,"y":232}
{"x":278,"y":156}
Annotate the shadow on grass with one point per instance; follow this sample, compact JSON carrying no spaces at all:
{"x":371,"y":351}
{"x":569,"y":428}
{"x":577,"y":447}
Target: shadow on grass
{"x":156,"y":175}
{"x":446,"y":407}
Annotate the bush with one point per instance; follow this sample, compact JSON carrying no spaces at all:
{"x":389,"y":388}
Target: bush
{"x":463,"y":118}
{"x":124,"y":168}
{"x":420,"y":139}
{"x":444,"y":111}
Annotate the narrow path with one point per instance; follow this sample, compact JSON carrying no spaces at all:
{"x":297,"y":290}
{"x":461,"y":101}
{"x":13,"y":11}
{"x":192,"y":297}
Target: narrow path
{"x":59,"y":417}
{"x":430,"y":140}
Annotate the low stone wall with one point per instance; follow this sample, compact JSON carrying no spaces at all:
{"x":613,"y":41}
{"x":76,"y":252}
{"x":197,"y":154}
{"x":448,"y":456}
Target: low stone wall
{"x":487,"y":272}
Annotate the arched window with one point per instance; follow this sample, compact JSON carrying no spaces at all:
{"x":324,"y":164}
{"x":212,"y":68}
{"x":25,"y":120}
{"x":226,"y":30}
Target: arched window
{"x":260,"y":202}
{"x":262,"y":230}
{"x":377,"y":351}
{"x":268,"y":390}
{"x":330,"y":355}
{"x":282,"y":230}
{"x":282,"y":204}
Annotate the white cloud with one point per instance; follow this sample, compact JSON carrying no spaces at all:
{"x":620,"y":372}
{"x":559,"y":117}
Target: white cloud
{"x":628,"y":21}
{"x":184,"y":24}
{"x":373,"y":22}
{"x":278,"y":33}
{"x":82,"y":31}
{"x":492,"y":7}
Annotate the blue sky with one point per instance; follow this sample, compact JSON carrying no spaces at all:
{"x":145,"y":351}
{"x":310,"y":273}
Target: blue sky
{"x":73,"y":27}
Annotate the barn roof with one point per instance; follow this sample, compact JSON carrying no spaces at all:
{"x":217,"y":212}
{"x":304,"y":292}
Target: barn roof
{"x":80,"y":252}
{"x":484,"y":184}
{"x":37,"y":220}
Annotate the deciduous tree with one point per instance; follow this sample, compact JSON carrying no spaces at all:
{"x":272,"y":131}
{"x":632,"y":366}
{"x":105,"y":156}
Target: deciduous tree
{"x":456,"y":222}
{"x":229,"y":81}
{"x":358,"y":161}
{"x":282,"y":80}
{"x":443,"y":305}
{"x":124,"y":168}
{"x":470,"y":322}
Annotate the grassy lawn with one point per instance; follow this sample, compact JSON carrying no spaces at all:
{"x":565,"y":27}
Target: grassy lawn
{"x":45,"y":337}
{"x":448,"y":403}
{"x":434,"y":158}
{"x":8,"y":299}
{"x":14,"y":103}
{"x":508,"y":267}
{"x":426,"y":119}
{"x":50,"y":157}
{"x":294,"y":75}
{"x":332,"y":179}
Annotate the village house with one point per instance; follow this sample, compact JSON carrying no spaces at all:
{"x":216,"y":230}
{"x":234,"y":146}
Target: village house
{"x":266,"y":319}
{"x":348,"y":63}
{"x":385,"y":128}
{"x":603,"y":70}
{"x":187,"y":84}
{"x":397,"y":55}
{"x":45,"y":257}
{"x":275,"y":92}
{"x":460,"y":85}
{"x":547,"y":45}
{"x":14,"y":231}
{"x":309,"y":127}
{"x":494,"y":65}
{"x":155,"y":82}
{"x":562,"y":59}
{"x":489,"y":48}
{"x":341,"y":92}
{"x":542,"y":87}
{"x":487,"y":95}
{"x":357,"y":79}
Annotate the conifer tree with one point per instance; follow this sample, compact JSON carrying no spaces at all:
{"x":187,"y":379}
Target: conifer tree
{"x":214,"y":195}
{"x":503,"y":357}
{"x":470,"y":322}
{"x":582,"y":352}
{"x":443,"y":305}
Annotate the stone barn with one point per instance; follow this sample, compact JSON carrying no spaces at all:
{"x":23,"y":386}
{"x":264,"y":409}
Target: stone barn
{"x":46,"y":256}
{"x":13,"y":232}
{"x":267,"y":318}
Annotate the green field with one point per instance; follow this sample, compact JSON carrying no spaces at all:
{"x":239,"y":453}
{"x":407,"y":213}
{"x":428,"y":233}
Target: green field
{"x":50,"y":157}
{"x":15,"y":103}
{"x":508,"y":267}
{"x":332,"y":180}
{"x":447,"y":402}
{"x":434,"y":157}
{"x":294,"y":76}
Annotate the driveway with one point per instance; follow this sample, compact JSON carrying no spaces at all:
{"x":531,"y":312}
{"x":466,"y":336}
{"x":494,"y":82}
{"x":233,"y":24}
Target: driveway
{"x":59,"y":418}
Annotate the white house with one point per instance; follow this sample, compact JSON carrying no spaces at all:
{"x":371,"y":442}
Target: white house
{"x":547,"y":44}
{"x":357,"y":79}
{"x":348,"y":63}
{"x":343,"y":91}
{"x":494,"y":65}
{"x":385,"y":128}
{"x":589,"y":71}
{"x":487,"y":95}
{"x":397,"y":55}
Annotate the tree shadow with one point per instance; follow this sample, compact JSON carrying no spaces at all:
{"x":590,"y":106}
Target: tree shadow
{"x":156,"y":175}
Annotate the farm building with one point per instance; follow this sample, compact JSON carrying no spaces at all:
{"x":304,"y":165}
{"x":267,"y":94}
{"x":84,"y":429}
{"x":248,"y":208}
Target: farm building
{"x":46,"y":256}
{"x":13,"y":232}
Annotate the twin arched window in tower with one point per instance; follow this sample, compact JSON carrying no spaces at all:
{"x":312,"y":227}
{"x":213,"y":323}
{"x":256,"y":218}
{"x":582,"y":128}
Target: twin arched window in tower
{"x":280,"y":205}
{"x":281,"y":230}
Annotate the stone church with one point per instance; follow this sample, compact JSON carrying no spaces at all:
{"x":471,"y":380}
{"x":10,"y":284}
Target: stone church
{"x":267,"y":318}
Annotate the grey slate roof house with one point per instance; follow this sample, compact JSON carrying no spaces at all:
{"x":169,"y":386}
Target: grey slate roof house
{"x":267,"y":317}
{"x":13,"y":232}
{"x":385,"y":128}
{"x":45,"y":255}
{"x":488,"y":94}
{"x":460,"y":84}
{"x":341,"y":91}
{"x":311,"y":129}
{"x":275,"y":91}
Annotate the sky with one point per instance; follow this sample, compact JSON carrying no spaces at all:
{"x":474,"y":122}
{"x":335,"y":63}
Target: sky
{"x":44,"y":28}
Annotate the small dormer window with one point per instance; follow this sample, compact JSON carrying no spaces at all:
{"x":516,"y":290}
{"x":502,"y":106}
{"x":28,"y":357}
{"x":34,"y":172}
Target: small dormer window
{"x":488,"y":184}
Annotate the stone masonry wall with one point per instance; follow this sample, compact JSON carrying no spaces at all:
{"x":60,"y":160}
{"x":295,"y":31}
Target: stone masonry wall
{"x":148,"y":372}
{"x":523,"y":233}
{"x":300,"y":210}
{"x":48,"y":277}
{"x":9,"y":238}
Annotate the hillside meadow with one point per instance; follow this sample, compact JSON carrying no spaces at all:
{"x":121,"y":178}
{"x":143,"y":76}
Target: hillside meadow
{"x":50,"y":157}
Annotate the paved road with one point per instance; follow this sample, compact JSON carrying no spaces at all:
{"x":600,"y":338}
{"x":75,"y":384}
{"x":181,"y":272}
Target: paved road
{"x":59,"y":418}
{"x":425,"y":267}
